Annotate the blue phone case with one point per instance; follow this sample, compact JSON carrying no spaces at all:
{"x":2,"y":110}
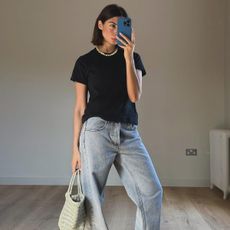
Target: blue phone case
{"x":124,"y":26}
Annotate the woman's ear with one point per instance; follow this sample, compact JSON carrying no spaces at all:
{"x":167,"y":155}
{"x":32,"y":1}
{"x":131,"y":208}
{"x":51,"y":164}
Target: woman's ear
{"x":100,"y":25}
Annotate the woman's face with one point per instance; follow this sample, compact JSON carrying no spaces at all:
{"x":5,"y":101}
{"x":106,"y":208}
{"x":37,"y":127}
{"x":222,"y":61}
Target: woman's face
{"x":109,"y":30}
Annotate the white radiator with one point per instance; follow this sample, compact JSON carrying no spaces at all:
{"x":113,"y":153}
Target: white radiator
{"x":219,"y":160}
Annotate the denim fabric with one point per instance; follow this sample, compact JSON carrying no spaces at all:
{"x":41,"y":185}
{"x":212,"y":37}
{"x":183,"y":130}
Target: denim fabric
{"x":103,"y":143}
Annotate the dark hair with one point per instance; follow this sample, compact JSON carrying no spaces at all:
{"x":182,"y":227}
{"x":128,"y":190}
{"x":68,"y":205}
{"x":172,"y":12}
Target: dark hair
{"x":109,"y":11}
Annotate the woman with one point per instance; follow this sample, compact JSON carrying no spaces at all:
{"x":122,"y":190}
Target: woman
{"x":105,"y":127}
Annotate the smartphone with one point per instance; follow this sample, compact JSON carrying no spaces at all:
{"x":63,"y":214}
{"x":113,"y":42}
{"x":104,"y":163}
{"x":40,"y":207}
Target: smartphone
{"x":125,"y":27}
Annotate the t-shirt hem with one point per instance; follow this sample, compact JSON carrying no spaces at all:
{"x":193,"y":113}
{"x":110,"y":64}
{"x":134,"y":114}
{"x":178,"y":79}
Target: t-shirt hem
{"x":121,"y":120}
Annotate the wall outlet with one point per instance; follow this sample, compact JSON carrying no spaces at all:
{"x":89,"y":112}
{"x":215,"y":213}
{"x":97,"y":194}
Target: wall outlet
{"x":191,"y":152}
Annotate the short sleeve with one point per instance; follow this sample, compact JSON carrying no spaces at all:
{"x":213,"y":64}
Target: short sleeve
{"x":79,"y":72}
{"x":139,"y":64}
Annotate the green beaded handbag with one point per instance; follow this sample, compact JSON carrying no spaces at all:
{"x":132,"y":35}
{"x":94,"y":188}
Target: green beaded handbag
{"x":73,"y":214}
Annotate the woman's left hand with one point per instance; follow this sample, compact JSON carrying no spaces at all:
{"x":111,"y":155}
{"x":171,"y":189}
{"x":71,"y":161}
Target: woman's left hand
{"x":128,"y":45}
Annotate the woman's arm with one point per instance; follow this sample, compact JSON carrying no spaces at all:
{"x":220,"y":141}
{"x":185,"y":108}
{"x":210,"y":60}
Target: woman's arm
{"x":133,"y":75}
{"x":134,"y":80}
{"x":79,"y":108}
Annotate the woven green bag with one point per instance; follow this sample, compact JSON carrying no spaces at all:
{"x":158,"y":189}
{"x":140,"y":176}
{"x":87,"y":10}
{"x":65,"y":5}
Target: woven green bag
{"x":72,"y":216}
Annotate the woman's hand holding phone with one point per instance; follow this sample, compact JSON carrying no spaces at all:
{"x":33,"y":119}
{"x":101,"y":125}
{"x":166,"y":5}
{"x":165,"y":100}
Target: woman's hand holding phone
{"x":127,"y":44}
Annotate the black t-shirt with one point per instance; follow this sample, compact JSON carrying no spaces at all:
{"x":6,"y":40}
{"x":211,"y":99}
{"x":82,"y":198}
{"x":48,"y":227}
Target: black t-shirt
{"x":105,"y":77}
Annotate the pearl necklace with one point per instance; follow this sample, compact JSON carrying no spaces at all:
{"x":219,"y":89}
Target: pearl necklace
{"x":105,"y":53}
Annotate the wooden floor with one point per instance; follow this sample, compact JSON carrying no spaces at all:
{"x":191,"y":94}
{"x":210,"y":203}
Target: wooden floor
{"x":38,"y":207}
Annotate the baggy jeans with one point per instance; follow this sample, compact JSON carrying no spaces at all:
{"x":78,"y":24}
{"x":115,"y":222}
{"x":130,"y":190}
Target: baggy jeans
{"x":103,"y":143}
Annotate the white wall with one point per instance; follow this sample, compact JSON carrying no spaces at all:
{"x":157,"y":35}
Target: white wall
{"x":227,"y":63}
{"x":182,"y":46}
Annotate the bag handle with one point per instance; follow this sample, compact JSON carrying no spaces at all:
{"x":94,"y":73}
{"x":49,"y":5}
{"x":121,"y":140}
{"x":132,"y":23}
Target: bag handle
{"x":79,"y":189}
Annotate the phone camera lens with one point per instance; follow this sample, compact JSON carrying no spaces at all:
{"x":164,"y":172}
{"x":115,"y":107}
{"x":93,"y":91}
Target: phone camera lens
{"x":127,"y":23}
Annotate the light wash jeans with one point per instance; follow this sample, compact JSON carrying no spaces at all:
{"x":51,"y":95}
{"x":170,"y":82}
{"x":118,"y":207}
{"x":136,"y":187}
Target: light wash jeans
{"x":103,"y":143}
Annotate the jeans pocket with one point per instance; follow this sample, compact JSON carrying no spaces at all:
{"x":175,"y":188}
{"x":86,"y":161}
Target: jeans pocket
{"x":95,"y":124}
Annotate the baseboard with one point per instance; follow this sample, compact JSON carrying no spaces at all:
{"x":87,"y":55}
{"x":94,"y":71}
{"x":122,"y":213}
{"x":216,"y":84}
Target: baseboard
{"x":65,"y":181}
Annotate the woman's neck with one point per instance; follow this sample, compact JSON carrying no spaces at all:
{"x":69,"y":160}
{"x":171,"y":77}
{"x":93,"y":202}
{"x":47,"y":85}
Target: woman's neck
{"x":107,"y":48}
